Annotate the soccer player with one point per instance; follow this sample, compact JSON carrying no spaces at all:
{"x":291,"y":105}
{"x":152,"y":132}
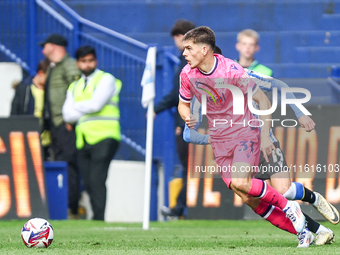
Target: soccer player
{"x":235,"y":146}
{"x":281,"y":181}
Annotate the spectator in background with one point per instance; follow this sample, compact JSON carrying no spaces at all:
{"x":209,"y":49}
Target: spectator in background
{"x":92,"y":104}
{"x":60,"y":74}
{"x":247,"y":45}
{"x":29,"y":99}
{"x":23,"y":101}
{"x":169,"y":101}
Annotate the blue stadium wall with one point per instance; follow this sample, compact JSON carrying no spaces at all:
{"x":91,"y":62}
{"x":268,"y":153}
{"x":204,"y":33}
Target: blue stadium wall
{"x":299,"y":38}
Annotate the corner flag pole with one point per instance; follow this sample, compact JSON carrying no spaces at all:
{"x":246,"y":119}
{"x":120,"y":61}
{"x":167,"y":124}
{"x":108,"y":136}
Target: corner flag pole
{"x":148,"y":84}
{"x":148,"y":166}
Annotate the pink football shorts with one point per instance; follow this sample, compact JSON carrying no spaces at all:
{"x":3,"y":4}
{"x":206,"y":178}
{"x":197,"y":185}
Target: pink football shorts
{"x":228,"y":152}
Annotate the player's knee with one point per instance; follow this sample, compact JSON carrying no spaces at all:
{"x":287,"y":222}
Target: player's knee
{"x":283,"y":189}
{"x":241,"y":184}
{"x":281,"y":185}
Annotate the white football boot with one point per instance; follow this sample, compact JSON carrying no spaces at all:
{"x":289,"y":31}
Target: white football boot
{"x":305,"y":238}
{"x":294,"y":213}
{"x":325,"y":237}
{"x":326,"y":209}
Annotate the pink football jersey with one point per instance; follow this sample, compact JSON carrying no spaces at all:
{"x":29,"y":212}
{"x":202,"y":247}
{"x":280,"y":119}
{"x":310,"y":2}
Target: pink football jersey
{"x":219,"y":100}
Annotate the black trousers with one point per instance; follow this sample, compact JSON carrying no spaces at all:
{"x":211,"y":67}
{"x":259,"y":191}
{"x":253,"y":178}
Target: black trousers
{"x":94,"y":161}
{"x":64,"y":149}
{"x":183,"y":153}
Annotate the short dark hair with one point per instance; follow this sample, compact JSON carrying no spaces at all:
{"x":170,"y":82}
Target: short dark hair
{"x":181,"y":27}
{"x":43,"y":65}
{"x":85,"y":50}
{"x":217,"y":50}
{"x":201,"y":35}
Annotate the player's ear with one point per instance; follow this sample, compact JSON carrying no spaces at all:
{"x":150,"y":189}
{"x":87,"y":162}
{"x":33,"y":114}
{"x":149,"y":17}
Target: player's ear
{"x":257,"y":48}
{"x":204,"y":50}
{"x":237,"y":46}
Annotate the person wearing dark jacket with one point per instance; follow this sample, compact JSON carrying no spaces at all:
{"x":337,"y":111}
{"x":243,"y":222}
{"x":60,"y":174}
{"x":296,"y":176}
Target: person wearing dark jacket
{"x":23,"y":101}
{"x":60,"y":74}
{"x":169,"y":101}
{"x":28,"y":100}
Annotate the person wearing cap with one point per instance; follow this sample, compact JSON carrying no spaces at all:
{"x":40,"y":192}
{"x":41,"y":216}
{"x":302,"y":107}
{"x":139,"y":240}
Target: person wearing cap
{"x":60,"y":74}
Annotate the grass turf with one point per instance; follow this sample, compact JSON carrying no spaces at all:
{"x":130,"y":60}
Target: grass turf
{"x":171,"y":237}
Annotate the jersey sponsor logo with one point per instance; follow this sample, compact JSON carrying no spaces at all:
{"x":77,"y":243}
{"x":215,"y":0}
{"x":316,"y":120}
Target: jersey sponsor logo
{"x":233,"y":67}
{"x":210,"y":94}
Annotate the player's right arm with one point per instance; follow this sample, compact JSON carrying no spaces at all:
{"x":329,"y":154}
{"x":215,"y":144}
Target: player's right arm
{"x":184,"y":112}
{"x":184,"y":100}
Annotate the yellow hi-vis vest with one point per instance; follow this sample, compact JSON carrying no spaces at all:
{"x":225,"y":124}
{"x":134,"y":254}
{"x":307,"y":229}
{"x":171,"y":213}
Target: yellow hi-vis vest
{"x":96,"y":127}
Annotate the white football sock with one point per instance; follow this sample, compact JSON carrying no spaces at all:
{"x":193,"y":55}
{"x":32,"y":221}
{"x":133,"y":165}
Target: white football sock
{"x":316,"y":199}
{"x":322,"y":228}
{"x":291,"y":192}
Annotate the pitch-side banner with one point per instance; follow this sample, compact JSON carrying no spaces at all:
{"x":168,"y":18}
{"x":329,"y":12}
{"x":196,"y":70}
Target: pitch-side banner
{"x":313,"y":160}
{"x":22,"y":181}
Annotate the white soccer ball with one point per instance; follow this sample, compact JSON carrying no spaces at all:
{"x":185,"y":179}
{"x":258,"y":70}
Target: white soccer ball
{"x":37,"y":233}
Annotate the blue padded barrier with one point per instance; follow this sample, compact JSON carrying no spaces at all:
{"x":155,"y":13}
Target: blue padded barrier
{"x":264,"y":15}
{"x":316,"y":54}
{"x":289,"y":40}
{"x":330,"y":21}
{"x":309,"y":70}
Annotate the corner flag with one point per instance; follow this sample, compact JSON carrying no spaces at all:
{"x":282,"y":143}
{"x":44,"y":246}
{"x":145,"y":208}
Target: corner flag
{"x":148,"y":95}
{"x":148,"y":79}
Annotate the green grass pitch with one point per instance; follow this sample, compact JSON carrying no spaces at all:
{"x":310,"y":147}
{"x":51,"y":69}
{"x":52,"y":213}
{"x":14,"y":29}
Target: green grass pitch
{"x":171,"y":237}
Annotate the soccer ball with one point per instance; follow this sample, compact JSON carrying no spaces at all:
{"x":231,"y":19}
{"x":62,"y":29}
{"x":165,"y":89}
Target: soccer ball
{"x":37,"y":233}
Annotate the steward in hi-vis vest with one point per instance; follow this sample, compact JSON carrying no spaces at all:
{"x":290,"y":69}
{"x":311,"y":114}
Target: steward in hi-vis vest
{"x":91,"y":105}
{"x":95,"y":127}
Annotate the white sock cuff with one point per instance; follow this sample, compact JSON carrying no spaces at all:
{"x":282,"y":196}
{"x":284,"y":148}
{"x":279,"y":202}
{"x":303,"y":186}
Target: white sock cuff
{"x":316,"y":199}
{"x":291,"y":192}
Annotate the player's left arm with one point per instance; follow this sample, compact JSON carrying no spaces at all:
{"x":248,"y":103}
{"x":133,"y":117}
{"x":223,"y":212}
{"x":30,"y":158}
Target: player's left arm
{"x":305,"y":121}
{"x":193,"y":136}
{"x":267,"y":145}
{"x":267,"y":83}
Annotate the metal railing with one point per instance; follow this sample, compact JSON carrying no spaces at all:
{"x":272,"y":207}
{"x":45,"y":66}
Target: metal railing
{"x":24,"y":23}
{"x":112,"y":58}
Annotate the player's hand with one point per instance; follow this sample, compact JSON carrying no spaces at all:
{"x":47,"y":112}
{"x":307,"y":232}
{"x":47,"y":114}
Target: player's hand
{"x":191,"y":121}
{"x":267,"y":147}
{"x":307,"y":123}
